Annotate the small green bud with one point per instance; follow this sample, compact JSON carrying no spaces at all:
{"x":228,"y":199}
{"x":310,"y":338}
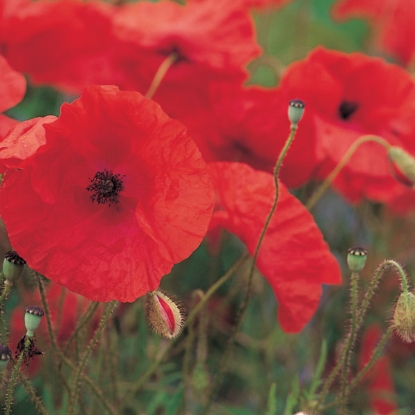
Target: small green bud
{"x":13,"y":266}
{"x":5,"y":356}
{"x":295,"y":112}
{"x":32,"y":318}
{"x":356,"y":258}
{"x":404,"y":317}
{"x":403,"y":165}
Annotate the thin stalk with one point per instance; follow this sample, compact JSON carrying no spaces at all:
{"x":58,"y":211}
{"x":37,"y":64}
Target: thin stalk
{"x":160,"y":74}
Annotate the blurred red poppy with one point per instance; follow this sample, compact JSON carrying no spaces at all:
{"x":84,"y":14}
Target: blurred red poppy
{"x":347,"y":96}
{"x":117,"y":195}
{"x":294,"y":257}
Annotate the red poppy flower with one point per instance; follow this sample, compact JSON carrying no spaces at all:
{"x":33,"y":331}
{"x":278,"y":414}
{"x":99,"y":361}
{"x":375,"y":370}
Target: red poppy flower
{"x":12,"y":90}
{"x":117,"y":195}
{"x":349,"y":96}
{"x":210,"y":39}
{"x":392,"y":22}
{"x":379,"y":380}
{"x":250,"y":125}
{"x":65,"y":43}
{"x":294,"y":257}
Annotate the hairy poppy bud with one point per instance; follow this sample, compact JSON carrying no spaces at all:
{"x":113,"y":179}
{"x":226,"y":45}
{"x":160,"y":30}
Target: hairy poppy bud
{"x":404,"y":317}
{"x":295,"y":112}
{"x":356,"y":258}
{"x":32,"y":318}
{"x":403,"y":165}
{"x":164,"y":316}
{"x":13,"y":266}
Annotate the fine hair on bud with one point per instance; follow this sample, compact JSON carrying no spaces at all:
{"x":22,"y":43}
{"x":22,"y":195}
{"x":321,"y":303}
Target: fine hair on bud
{"x":403,"y":320}
{"x":165,"y":316}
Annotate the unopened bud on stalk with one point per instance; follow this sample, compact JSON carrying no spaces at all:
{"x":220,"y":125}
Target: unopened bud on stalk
{"x":403,"y":165}
{"x":13,"y":265}
{"x":5,"y":356}
{"x":356,"y":258}
{"x":404,"y":317}
{"x":295,"y":112}
{"x":165,"y":316}
{"x":32,"y":318}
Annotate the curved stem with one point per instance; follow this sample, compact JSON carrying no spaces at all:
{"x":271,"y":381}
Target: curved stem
{"x":160,"y":74}
{"x":245,"y":302}
{"x":330,"y":178}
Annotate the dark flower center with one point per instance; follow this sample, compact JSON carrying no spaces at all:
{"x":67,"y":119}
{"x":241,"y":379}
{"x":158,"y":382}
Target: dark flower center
{"x":105,"y":187}
{"x":347,"y":109}
{"x":174,"y":49}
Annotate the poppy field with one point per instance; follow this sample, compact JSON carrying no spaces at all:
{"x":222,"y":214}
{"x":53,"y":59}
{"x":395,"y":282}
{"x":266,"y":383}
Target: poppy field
{"x":207,"y":207}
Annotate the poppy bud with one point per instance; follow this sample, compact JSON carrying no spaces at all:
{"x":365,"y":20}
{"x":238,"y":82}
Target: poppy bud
{"x":32,"y":318}
{"x":5,"y":356}
{"x":295,"y":112}
{"x":404,"y":317}
{"x":403,"y":165}
{"x":13,"y":266}
{"x":356,"y":258}
{"x":164,"y":316}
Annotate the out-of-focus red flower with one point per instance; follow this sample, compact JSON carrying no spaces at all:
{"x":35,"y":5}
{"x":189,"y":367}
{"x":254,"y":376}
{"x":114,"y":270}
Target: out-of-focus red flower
{"x":65,"y":43}
{"x":117,"y":195}
{"x":250,"y":125}
{"x":379,"y":381}
{"x":12,"y":90}
{"x":261,"y":4}
{"x":347,"y":96}
{"x":22,"y":141}
{"x":294,"y":258}
{"x":392,"y":21}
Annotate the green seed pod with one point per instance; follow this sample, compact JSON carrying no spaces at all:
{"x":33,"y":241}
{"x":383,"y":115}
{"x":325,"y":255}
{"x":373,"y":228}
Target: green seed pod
{"x":13,"y":266}
{"x":295,"y":112}
{"x":356,"y":258}
{"x":403,"y":165}
{"x":32,"y":318}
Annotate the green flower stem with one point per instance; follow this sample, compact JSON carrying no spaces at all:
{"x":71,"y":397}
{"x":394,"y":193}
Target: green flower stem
{"x":4,"y":295}
{"x":330,"y":178}
{"x":98,"y":392}
{"x":13,"y":377}
{"x":192,"y":315}
{"x":109,"y":309}
{"x":359,"y":320}
{"x":32,"y":395}
{"x":375,"y":354}
{"x":245,"y":302}
{"x":160,"y":74}
{"x":351,"y":338}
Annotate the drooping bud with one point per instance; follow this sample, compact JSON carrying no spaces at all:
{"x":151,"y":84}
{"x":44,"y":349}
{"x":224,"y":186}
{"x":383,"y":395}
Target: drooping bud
{"x":5,"y":356}
{"x":13,"y":265}
{"x":404,"y":317}
{"x":32,"y":317}
{"x":164,"y":315}
{"x":295,"y":112}
{"x":402,"y":165}
{"x":356,"y":258}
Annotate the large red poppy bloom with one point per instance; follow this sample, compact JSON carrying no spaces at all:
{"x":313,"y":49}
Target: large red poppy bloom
{"x":349,"y":96}
{"x":12,"y":90}
{"x":117,"y":195}
{"x":392,"y":21}
{"x":294,"y":258}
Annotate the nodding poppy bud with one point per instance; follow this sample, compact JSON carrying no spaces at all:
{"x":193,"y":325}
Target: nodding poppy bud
{"x":404,"y":317}
{"x":5,"y":356}
{"x":356,"y":258}
{"x":164,"y":315}
{"x":32,"y":318}
{"x":403,"y":165}
{"x":13,"y":265}
{"x":295,"y":112}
